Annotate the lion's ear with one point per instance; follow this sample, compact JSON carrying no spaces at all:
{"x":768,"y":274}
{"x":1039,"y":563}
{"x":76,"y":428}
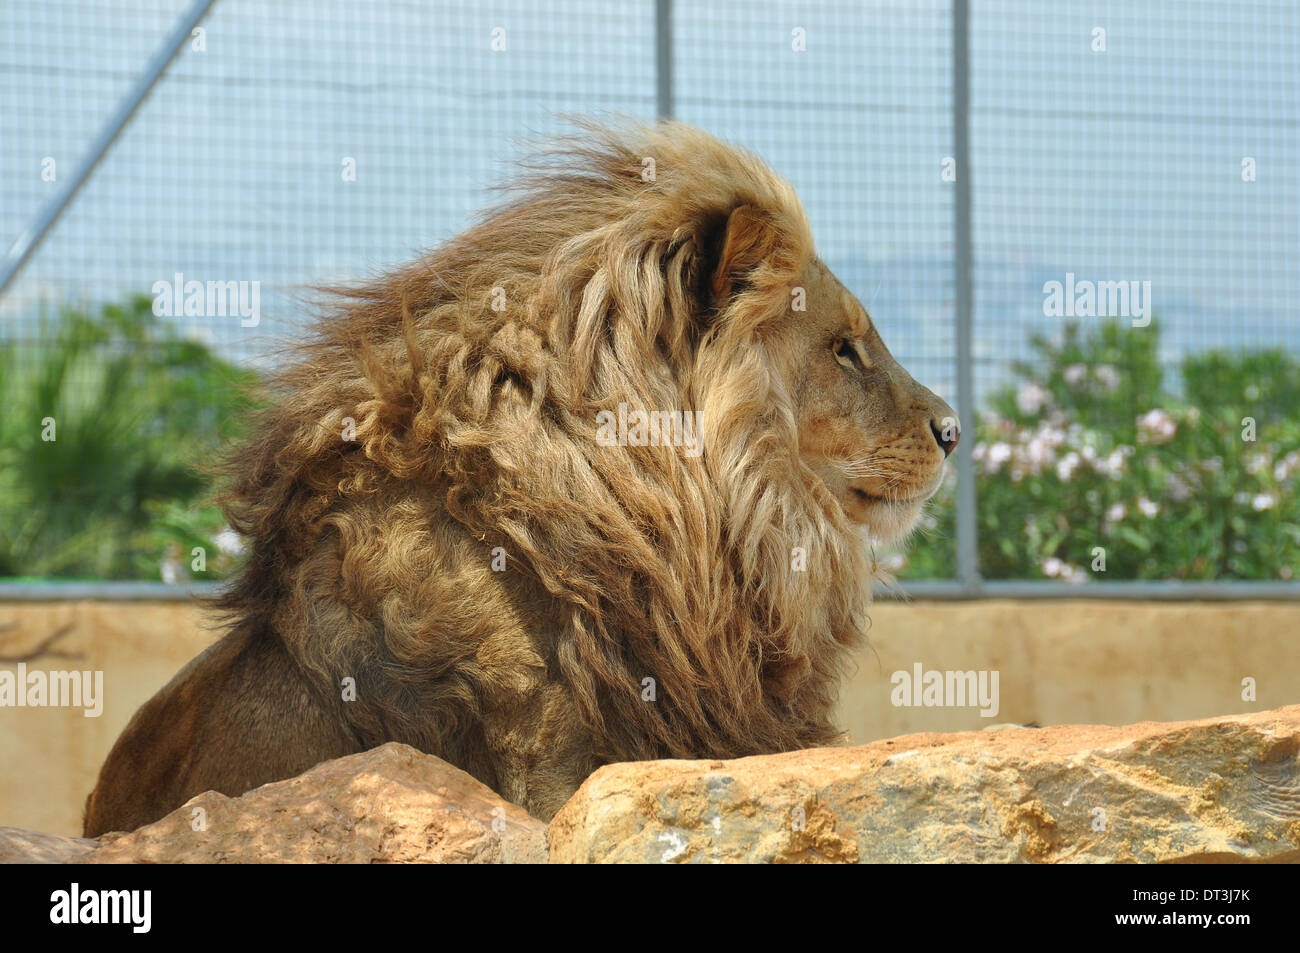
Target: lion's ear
{"x":749,"y":237}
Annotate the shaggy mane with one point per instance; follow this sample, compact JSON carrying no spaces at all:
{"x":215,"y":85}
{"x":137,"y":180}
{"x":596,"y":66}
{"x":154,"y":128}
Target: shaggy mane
{"x":471,"y":381}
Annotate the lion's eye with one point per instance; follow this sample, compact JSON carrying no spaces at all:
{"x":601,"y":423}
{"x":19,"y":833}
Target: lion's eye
{"x":847,"y":354}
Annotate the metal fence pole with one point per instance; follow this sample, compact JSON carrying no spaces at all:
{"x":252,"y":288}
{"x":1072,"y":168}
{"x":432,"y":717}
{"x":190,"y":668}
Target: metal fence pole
{"x":664,"y":59}
{"x":967,"y":523}
{"x":31,"y":237}
{"x":906,"y":590}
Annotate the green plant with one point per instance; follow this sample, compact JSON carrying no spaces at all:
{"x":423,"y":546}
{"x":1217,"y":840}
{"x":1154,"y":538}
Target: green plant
{"x":105,"y":417}
{"x":1093,"y":459}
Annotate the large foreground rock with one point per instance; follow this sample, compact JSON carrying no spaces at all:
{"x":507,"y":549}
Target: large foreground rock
{"x":1221,"y":789}
{"x":31,"y":847}
{"x":391,"y":804}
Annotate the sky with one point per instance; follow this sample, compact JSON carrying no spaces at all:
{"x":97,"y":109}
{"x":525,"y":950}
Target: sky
{"x":1115,"y":157}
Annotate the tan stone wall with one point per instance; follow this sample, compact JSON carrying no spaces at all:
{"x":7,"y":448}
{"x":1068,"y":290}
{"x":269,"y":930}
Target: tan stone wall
{"x":50,"y":757}
{"x":1058,"y":663}
{"x":1080,"y":662}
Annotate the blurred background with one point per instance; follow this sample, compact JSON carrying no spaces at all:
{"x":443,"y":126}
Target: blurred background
{"x":293,"y":142}
{"x":956,"y":158}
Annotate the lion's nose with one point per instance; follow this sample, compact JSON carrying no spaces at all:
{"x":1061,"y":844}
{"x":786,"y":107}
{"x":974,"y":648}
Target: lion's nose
{"x":946,"y":433}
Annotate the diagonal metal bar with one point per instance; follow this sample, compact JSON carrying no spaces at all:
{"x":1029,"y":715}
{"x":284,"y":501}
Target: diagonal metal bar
{"x":30,"y":239}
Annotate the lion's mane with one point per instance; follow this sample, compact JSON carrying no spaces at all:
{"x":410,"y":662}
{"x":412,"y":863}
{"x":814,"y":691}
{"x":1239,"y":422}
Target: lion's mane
{"x":471,"y":381}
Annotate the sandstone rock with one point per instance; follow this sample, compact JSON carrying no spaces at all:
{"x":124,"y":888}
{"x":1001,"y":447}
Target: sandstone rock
{"x":30,"y":847}
{"x":1220,"y":789}
{"x":392,"y":804}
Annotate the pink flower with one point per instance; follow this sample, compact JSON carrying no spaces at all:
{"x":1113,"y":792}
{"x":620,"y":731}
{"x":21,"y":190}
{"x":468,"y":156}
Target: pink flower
{"x":1066,"y":466}
{"x":1107,"y":376}
{"x":1156,"y":426}
{"x":1032,"y":398}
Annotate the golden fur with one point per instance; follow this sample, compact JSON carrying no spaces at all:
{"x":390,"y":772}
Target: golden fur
{"x":441,"y":426}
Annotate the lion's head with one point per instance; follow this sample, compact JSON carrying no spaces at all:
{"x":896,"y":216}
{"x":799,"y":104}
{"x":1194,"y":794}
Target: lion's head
{"x":454,"y":410}
{"x":871,"y":433}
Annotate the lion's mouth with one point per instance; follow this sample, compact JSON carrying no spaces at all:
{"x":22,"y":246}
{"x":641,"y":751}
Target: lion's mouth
{"x":866,"y":497}
{"x":888,"y":519}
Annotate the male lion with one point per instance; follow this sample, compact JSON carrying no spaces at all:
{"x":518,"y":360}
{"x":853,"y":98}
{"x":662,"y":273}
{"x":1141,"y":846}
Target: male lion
{"x":435,"y":516}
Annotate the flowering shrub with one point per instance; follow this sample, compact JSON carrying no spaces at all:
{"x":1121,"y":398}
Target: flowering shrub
{"x":1093,"y":466}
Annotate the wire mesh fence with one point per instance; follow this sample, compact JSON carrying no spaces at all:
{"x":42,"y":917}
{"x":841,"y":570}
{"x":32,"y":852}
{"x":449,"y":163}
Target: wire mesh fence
{"x":1134,"y":222}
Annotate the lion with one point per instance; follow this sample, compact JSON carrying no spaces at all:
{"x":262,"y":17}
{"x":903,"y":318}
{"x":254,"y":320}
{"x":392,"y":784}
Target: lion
{"x":450,"y":547}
